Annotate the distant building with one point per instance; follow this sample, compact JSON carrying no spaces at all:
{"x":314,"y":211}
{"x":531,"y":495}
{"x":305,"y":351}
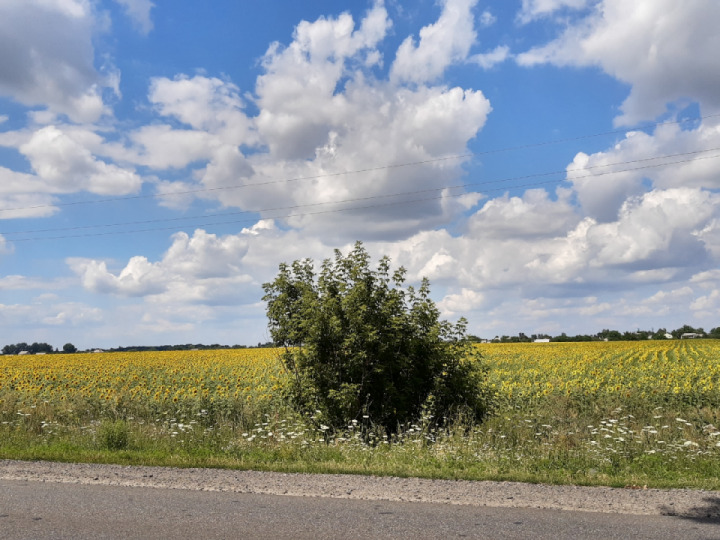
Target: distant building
{"x":541,"y":340}
{"x":691,"y":335}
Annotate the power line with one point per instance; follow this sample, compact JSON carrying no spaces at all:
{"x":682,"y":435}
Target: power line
{"x":293,"y":207}
{"x":357,"y":171}
{"x":370,"y":206}
{"x":240,"y":186}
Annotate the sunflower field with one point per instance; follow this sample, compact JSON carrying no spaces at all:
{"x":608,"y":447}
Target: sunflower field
{"x":598,"y":412}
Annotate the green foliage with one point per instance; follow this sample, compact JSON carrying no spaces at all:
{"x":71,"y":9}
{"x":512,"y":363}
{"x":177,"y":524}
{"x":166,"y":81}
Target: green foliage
{"x":114,"y":435}
{"x":35,"y":348}
{"x":361,"y":347}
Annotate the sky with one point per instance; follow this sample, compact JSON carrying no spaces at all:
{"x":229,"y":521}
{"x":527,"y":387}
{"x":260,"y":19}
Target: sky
{"x":549,"y":165}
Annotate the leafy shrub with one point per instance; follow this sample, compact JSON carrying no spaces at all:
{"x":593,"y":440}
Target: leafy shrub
{"x":114,"y":435}
{"x":361,"y":347}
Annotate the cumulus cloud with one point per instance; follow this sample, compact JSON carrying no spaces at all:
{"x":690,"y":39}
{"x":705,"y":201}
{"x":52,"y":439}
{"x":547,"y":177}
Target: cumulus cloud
{"x":670,"y":157}
{"x":65,"y":164}
{"x":535,"y":242}
{"x":63,"y":159}
{"x":204,"y":103}
{"x":665,"y":51}
{"x":47,"y":57}
{"x":532,"y":216}
{"x":322,"y":114}
{"x":441,"y":44}
{"x":465,"y":301}
{"x":202,"y":268}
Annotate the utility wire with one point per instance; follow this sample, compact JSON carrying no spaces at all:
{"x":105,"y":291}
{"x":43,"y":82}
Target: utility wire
{"x":358,"y":171}
{"x":371,"y":206}
{"x":459,"y":186}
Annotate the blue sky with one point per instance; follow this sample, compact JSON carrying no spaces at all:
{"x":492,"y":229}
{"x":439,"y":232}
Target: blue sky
{"x":550,"y":165}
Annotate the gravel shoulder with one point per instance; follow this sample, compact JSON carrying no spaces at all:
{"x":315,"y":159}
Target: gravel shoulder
{"x":676,"y":502}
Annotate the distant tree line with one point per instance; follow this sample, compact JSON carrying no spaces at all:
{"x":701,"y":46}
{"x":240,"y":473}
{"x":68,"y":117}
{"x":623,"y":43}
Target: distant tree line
{"x":68,"y":348}
{"x":186,"y":347}
{"x":35,"y":348}
{"x":610,"y":335}
{"x":604,"y":335}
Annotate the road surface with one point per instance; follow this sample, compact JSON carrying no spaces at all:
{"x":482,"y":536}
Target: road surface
{"x":36,"y":510}
{"x":46,"y":500}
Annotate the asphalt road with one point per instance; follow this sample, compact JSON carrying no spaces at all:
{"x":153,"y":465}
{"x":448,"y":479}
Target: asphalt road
{"x":37,"y":510}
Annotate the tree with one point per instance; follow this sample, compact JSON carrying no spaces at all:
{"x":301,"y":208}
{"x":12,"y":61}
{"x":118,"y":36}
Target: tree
{"x":360,"y":346}
{"x":660,"y":334}
{"x":69,"y":348}
{"x":686,"y":329}
{"x":40,"y":348}
{"x":10,"y":349}
{"x":610,"y":335}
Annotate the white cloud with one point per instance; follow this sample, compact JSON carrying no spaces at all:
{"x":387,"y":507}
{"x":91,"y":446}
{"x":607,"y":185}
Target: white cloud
{"x":656,"y":229}
{"x":594,"y":309}
{"x":138,"y":278}
{"x":490,"y":59}
{"x":465,"y":301}
{"x":709,"y":303}
{"x":203,"y":268}
{"x":51,"y":312}
{"x":162,"y":147}
{"x":601,"y":191}
{"x":674,"y":296}
{"x":532,"y":216}
{"x":5,"y":246}
{"x":534,"y":9}
{"x":139,"y":13}
{"x":534,"y":243}
{"x":63,"y":162}
{"x":46,"y":57}
{"x":441,"y":44}
{"x":487,"y":18}
{"x":706,"y":279}
{"x":23,"y":195}
{"x":24,"y":283}
{"x":72,"y":314}
{"x":204,"y":103}
{"x":321,"y":112}
{"x":665,"y":50}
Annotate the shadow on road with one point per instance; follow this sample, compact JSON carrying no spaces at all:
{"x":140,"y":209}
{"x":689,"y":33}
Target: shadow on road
{"x":707,"y":513}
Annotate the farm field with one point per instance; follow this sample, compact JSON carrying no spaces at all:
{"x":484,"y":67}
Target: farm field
{"x":616,"y":413}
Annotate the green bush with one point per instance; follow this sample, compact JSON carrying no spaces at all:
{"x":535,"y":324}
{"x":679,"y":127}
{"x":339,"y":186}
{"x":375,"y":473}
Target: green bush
{"x":361,"y":347}
{"x":114,"y":435}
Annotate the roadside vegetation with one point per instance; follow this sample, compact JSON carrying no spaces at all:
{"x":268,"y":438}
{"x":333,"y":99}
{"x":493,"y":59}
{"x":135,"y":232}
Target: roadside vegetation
{"x":616,"y":413}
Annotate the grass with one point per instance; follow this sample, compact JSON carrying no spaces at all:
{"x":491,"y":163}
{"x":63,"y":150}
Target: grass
{"x":619,"y":449}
